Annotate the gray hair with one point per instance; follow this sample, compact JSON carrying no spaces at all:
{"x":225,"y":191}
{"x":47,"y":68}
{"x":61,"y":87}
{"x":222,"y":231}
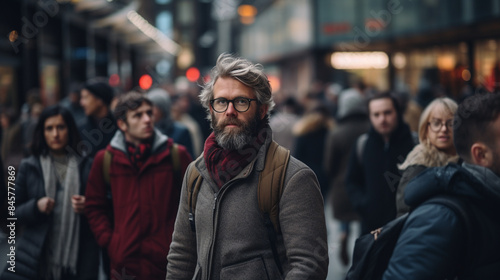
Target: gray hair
{"x":249,"y":74}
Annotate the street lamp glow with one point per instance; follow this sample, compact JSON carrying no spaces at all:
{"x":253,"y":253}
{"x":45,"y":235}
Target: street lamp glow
{"x":359,"y":60}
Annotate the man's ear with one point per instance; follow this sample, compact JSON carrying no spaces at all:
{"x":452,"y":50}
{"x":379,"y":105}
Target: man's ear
{"x":481,"y":155}
{"x":263,"y":111}
{"x":122,"y":125}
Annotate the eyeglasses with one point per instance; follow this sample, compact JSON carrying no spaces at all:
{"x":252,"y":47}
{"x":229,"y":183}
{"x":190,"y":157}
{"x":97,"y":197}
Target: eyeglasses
{"x":436,"y":125}
{"x":241,"y":104}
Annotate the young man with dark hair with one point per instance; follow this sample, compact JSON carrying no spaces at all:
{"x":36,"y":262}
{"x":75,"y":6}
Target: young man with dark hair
{"x":372,"y":175}
{"x":138,"y":169}
{"x":435,"y":242}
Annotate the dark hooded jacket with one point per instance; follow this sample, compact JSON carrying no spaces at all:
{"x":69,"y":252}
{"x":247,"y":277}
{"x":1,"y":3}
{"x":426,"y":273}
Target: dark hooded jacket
{"x":433,"y":243}
{"x":371,"y":184}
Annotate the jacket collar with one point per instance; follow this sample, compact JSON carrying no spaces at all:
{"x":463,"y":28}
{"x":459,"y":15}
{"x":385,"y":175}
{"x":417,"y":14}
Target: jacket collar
{"x":401,"y":132}
{"x":489,"y":179}
{"x":453,"y":179}
{"x":118,"y":141}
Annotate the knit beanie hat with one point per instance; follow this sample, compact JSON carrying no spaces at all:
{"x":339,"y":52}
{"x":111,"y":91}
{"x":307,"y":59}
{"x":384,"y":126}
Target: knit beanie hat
{"x":101,"y":90}
{"x":161,"y":99}
{"x":350,"y":103}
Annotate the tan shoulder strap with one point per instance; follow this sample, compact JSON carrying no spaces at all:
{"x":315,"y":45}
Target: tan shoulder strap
{"x":271,"y":181}
{"x":193,"y":187}
{"x":106,"y":164}
{"x":176,"y":162}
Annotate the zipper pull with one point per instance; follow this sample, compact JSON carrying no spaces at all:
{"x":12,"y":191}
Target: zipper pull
{"x":215,"y":199}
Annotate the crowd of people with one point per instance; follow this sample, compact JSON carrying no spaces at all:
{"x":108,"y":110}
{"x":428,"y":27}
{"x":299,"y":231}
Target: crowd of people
{"x":105,"y":180}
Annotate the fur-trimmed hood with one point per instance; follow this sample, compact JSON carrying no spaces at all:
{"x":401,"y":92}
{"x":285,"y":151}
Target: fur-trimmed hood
{"x":311,"y":122}
{"x":427,"y":155}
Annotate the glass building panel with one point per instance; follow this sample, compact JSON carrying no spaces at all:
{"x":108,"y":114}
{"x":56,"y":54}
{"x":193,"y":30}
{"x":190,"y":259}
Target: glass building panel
{"x":164,"y":22}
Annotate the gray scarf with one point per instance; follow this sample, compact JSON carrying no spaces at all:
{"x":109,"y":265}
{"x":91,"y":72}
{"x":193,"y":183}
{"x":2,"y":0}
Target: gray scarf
{"x":62,"y":249}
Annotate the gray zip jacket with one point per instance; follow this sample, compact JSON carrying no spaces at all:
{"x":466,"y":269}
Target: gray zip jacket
{"x":231,"y":240}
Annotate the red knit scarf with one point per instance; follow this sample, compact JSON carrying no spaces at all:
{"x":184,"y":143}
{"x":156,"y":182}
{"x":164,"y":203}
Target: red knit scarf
{"x":224,"y":165}
{"x":138,"y":154}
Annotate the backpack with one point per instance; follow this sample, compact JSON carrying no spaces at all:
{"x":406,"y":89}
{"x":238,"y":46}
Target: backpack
{"x":108,"y":157}
{"x":269,"y":191}
{"x":373,"y":251}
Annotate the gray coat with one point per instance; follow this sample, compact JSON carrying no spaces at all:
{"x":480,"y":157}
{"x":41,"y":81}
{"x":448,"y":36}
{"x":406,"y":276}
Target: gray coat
{"x":231,"y":241}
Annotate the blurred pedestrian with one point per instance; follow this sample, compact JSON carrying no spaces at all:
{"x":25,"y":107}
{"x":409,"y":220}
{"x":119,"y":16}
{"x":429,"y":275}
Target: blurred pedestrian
{"x":283,"y":121}
{"x":12,"y":138}
{"x":180,"y":114}
{"x":372,"y":175}
{"x":133,"y":192}
{"x":435,"y":242}
{"x":28,"y":126}
{"x":352,"y":121}
{"x":72,"y":103}
{"x":99,"y":126}
{"x":310,"y":134}
{"x":435,"y":149}
{"x":162,"y":105}
{"x":56,"y":242}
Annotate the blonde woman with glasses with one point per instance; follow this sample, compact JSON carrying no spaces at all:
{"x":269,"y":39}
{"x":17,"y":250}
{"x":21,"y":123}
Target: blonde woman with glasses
{"x":436,"y":148}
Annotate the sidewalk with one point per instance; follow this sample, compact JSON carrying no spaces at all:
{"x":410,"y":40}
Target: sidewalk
{"x":336,"y":270}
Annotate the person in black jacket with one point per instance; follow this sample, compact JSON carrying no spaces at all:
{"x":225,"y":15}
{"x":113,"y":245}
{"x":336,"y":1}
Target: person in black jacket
{"x":372,"y":175}
{"x":100,"y":126}
{"x":56,"y":242}
{"x":434,"y":243}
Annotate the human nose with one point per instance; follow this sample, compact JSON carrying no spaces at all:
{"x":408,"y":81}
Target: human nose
{"x":230,"y":108}
{"x":444,"y":126}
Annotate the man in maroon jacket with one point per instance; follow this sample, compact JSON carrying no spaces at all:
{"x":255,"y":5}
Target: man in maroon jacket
{"x":136,"y":224}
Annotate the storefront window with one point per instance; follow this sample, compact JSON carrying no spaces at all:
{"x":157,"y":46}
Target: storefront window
{"x":487,"y":64}
{"x":8,"y":87}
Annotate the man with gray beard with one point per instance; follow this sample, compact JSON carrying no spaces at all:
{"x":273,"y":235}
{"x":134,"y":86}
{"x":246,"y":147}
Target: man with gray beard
{"x":228,"y":236}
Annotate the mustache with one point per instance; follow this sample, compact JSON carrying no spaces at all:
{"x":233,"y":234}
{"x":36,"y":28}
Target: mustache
{"x":232,"y":122}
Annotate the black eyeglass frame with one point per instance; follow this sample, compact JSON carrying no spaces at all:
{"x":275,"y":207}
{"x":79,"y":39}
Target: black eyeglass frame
{"x":232,"y":101}
{"x":448,"y":124}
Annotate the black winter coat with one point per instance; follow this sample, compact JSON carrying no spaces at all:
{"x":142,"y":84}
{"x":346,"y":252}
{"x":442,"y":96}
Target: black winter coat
{"x":372,"y":183}
{"x":96,"y":135}
{"x":29,"y":245}
{"x":433,"y":244}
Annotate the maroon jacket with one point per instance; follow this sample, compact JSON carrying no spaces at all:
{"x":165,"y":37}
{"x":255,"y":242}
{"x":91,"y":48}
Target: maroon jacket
{"x":144,"y":206}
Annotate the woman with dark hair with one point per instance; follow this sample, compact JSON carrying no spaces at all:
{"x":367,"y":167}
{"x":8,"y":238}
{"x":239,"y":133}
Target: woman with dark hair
{"x":57,"y":242}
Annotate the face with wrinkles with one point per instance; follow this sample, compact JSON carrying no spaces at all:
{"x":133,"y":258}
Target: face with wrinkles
{"x":234,"y":129}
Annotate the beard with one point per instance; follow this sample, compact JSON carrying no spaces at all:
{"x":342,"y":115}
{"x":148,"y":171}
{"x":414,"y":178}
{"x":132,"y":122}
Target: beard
{"x":237,"y":137}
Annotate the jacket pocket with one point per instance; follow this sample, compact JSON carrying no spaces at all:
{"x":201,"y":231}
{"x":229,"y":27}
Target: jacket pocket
{"x":254,"y":269}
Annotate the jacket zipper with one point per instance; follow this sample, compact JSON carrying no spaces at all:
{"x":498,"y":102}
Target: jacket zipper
{"x":214,"y":230}
{"x":217,"y":197}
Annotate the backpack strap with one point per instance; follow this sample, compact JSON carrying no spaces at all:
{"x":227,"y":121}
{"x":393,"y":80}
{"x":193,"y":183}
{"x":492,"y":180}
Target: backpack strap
{"x":176,"y":164}
{"x":465,"y":214}
{"x":193,"y":184}
{"x":106,"y":164}
{"x":360,"y":146}
{"x":269,"y":191}
{"x":271,"y":181}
